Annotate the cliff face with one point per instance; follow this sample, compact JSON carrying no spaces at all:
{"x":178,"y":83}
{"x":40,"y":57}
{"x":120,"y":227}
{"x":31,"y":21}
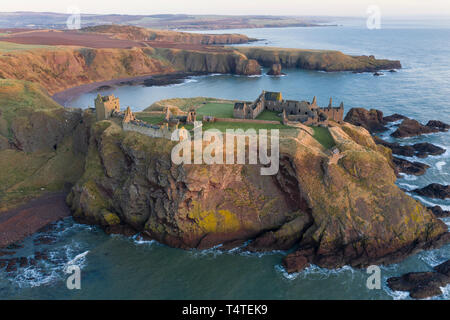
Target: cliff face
{"x":340,"y":210}
{"x":324,"y":60}
{"x":61,"y":68}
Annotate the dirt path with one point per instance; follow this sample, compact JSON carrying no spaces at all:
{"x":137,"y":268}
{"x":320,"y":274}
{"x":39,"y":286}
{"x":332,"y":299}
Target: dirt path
{"x":25,"y":220}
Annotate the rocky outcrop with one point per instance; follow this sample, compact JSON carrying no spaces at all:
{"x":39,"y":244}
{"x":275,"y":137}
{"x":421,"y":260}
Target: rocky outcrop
{"x":411,"y":128}
{"x":434,"y":190}
{"x":337,"y":212}
{"x":423,"y":284}
{"x":324,"y":60}
{"x":372,"y":119}
{"x":275,"y":70}
{"x":420,"y":150}
{"x":410,"y":168}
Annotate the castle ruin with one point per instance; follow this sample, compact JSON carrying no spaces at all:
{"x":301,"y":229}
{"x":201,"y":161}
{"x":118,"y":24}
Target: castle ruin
{"x":105,"y":106}
{"x":291,"y":110}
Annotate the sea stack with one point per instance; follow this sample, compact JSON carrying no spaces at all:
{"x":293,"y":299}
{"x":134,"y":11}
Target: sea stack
{"x":275,"y":70}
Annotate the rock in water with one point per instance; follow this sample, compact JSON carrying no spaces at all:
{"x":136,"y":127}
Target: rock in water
{"x":394,"y":117}
{"x":441,"y":126}
{"x":438,"y":212}
{"x":434,"y":190}
{"x":424,"y":149}
{"x":371,"y":119}
{"x":411,"y":128}
{"x":275,"y":70}
{"x":423,"y":284}
{"x":408,"y":167}
{"x":421,"y":150}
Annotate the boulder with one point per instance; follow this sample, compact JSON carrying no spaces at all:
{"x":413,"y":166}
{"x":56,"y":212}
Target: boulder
{"x":434,"y":190}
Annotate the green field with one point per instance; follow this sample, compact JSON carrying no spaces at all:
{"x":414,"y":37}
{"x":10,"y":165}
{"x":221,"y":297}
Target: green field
{"x":218,"y":110}
{"x":268,"y":115}
{"x":324,"y":137}
{"x":152,"y":119}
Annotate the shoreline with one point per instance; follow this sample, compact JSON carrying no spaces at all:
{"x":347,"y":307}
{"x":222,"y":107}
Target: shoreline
{"x":67,"y":95}
{"x":27,"y":219}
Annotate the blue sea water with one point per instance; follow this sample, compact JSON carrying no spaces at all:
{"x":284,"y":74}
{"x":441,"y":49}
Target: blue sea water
{"x":126,"y":268}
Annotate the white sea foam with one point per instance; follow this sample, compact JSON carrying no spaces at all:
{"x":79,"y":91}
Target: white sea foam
{"x":408,"y":177}
{"x":408,"y":186}
{"x":79,"y":259}
{"x":430,"y":203}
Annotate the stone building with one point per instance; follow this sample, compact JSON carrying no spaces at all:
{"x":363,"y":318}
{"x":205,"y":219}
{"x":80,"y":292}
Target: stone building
{"x":105,"y":106}
{"x":290,"y":110}
{"x":187,"y":118}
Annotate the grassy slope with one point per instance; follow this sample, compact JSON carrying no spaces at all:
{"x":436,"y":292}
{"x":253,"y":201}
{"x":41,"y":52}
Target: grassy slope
{"x":28,"y":175}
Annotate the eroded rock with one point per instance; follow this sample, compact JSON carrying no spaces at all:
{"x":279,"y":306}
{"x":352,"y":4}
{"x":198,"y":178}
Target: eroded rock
{"x":434,"y":190}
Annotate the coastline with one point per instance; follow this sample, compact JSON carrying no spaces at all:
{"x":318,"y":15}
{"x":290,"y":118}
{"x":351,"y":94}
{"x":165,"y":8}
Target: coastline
{"x":21,"y":222}
{"x":65,"y":96}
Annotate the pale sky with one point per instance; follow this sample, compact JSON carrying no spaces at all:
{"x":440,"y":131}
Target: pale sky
{"x":266,"y":7}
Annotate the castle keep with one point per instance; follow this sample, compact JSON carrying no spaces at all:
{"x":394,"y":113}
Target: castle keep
{"x":291,"y":111}
{"x":105,"y":106}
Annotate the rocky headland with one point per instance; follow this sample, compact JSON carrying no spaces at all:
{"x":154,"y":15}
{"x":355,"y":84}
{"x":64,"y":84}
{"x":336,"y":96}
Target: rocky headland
{"x":60,"y":60}
{"x":375,"y":122}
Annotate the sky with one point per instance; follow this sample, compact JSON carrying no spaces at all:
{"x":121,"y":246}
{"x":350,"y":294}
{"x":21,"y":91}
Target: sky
{"x":265,"y":7}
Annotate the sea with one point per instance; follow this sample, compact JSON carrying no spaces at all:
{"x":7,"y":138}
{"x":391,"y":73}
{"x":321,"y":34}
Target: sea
{"x":119,"y":267}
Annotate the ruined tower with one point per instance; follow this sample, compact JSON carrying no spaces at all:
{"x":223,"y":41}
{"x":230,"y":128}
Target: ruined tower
{"x":105,"y":106}
{"x":129,"y":116}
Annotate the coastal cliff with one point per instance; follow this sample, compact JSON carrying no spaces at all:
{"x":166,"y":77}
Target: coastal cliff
{"x":344,"y":210}
{"x":60,"y":68}
{"x":335,"y":209}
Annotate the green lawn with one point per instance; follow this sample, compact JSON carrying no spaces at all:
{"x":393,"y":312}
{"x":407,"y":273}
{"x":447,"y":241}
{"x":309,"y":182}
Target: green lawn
{"x":218,"y":110}
{"x":268,"y":115}
{"x":152,"y":119}
{"x":223,"y":126}
{"x":324,"y":137}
